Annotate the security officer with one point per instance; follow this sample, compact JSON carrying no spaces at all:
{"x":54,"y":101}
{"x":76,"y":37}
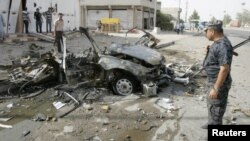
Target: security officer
{"x":217,"y":65}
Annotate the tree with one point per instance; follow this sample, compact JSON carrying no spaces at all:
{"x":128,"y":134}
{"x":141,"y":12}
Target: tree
{"x":194,"y":16}
{"x":244,"y":17}
{"x":164,"y":21}
{"x":213,"y":19}
{"x":226,"y":19}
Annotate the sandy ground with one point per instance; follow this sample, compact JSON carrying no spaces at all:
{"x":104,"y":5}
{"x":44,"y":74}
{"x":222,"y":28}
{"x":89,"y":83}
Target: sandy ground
{"x":135,"y":117}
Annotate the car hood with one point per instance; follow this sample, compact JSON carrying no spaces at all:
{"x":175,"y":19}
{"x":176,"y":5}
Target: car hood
{"x":147,"y":54}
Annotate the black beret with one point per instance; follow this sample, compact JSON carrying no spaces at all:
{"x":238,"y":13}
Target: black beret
{"x":216,"y":25}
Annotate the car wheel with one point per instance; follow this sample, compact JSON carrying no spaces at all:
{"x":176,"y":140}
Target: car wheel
{"x":124,"y":85}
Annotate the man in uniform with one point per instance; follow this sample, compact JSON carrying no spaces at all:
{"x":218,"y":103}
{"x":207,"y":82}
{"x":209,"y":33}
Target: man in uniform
{"x":217,"y":65}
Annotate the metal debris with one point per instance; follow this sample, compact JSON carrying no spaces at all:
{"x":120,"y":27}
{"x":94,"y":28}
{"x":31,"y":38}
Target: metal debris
{"x":5,"y":126}
{"x":58,"y":104}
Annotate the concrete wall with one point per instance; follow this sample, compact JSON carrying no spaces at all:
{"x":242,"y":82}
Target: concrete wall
{"x":130,"y":12}
{"x":94,"y":16}
{"x":146,"y":3}
{"x":4,"y":7}
{"x":77,"y":12}
{"x":70,"y":9}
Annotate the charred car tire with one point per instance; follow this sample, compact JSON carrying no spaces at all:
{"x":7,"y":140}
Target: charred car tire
{"x":124,"y":85}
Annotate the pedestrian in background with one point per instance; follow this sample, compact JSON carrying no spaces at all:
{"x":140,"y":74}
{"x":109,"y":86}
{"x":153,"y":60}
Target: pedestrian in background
{"x":2,"y":25}
{"x":48,"y":17}
{"x":182,"y":27}
{"x":177,"y":28}
{"x":59,"y":24}
{"x":217,"y":65}
{"x":26,"y":20}
{"x":99,"y":25}
{"x":39,"y":21}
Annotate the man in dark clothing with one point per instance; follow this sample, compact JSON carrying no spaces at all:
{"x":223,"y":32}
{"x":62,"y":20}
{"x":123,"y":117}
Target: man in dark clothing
{"x":39,"y":20}
{"x":217,"y":65}
{"x":48,"y":17}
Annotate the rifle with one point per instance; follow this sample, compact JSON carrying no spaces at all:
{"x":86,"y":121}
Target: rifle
{"x":240,"y":44}
{"x":234,"y":53}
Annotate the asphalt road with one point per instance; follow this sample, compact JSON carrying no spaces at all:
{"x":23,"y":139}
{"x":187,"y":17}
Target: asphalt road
{"x":237,"y":33}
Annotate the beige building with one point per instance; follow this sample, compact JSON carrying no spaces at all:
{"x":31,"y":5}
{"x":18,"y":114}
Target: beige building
{"x":85,"y":13}
{"x":131,"y":13}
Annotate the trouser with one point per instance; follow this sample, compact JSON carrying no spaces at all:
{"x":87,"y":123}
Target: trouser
{"x":59,"y":41}
{"x":48,"y":25}
{"x":26,"y":25}
{"x":38,"y":26}
{"x":217,"y":107}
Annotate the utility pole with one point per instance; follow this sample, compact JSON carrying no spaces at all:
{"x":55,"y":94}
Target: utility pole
{"x":243,"y":4}
{"x":186,"y":11}
{"x":155,"y":10}
{"x":179,"y":12}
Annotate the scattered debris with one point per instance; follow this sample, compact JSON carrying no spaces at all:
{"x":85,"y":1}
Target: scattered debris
{"x":150,"y":89}
{"x":87,"y":106}
{"x":236,"y":109}
{"x":105,"y":108}
{"x":165,"y":103}
{"x":247,"y":112}
{"x":128,"y":138}
{"x":201,"y":98}
{"x":68,"y":129}
{"x":4,"y":119}
{"x":43,"y":37}
{"x":165,"y":45}
{"x":96,"y":138}
{"x":25,"y":133}
{"x":104,"y":120}
{"x":58,"y":104}
{"x":39,"y":117}
{"x":77,"y":102}
{"x":10,"y":105}
{"x":5,"y":126}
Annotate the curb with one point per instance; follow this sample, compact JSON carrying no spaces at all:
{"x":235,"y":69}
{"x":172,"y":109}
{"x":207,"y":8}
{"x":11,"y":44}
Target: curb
{"x":22,"y":37}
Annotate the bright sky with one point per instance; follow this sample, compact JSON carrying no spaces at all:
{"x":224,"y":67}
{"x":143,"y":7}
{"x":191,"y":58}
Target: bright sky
{"x":209,"y":8}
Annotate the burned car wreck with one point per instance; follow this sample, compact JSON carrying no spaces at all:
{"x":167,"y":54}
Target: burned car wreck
{"x":123,"y":68}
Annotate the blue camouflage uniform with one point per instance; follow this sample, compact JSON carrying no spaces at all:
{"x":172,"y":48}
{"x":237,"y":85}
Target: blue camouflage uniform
{"x":219,"y":53}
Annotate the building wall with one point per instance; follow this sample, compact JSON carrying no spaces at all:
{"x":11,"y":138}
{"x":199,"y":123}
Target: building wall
{"x":82,"y":12}
{"x":146,"y":3}
{"x":130,"y":12}
{"x":70,"y":9}
{"x":94,"y":15}
{"x":4,"y":7}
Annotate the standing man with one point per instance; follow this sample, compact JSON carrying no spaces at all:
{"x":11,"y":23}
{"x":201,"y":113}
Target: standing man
{"x":182,"y":27}
{"x":26,"y":20}
{"x":177,"y":28}
{"x":2,"y":25}
{"x":59,"y":23}
{"x":39,"y":21}
{"x":48,"y":17}
{"x":217,"y":65}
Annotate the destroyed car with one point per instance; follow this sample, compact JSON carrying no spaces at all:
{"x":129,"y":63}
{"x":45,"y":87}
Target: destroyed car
{"x":123,"y":68}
